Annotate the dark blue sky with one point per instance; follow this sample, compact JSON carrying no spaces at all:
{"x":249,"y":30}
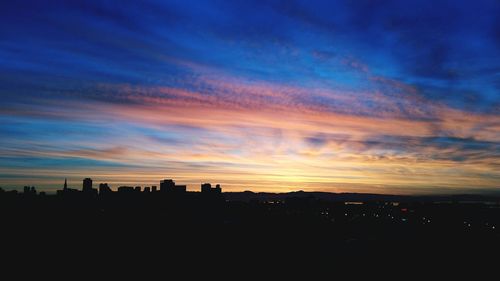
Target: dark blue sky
{"x":287,"y":92}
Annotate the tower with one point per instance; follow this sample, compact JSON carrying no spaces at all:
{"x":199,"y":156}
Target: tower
{"x":87,"y":185}
{"x":65,"y":184}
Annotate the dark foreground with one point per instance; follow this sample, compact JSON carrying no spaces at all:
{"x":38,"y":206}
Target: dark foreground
{"x":156,"y":233}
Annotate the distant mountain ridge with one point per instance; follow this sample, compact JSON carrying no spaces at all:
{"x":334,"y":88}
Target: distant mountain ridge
{"x":246,"y":196}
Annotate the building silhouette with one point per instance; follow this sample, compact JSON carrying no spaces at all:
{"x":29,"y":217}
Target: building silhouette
{"x":218,"y":189}
{"x":29,"y":190}
{"x":104,"y":189}
{"x":168,"y":185}
{"x":126,"y":189}
{"x":87,"y":187}
{"x":206,"y":188}
{"x":66,"y":190}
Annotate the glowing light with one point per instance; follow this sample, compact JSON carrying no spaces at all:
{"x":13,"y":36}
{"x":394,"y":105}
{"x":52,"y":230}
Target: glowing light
{"x":278,"y":110}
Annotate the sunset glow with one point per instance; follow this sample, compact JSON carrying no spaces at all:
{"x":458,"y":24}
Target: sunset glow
{"x":273,"y":96}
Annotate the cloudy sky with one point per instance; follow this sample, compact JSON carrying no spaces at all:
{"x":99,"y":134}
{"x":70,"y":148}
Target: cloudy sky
{"x":343,"y":96}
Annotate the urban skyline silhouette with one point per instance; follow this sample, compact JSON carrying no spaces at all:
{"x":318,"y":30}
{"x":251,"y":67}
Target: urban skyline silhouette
{"x":225,"y":138}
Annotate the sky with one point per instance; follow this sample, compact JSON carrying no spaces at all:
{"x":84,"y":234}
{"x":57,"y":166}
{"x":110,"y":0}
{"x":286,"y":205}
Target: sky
{"x":398,"y":97}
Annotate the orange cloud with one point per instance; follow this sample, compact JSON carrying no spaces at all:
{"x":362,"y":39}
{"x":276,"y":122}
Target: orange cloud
{"x":265,"y":136}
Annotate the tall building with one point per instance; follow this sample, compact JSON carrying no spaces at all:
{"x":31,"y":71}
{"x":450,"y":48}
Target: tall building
{"x":65,"y":184}
{"x":87,"y":185}
{"x":104,"y":188}
{"x":168,"y":185}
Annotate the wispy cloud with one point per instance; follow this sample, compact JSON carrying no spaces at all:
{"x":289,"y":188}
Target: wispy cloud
{"x":267,"y":96}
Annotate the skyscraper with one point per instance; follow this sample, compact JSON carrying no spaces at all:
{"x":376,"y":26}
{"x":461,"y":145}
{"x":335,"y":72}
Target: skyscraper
{"x":87,"y":185}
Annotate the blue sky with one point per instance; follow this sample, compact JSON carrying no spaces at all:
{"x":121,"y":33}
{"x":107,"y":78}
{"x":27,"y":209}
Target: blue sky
{"x":400,"y":97}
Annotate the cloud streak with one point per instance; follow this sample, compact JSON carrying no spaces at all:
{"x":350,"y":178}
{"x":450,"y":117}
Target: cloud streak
{"x":350,"y":97}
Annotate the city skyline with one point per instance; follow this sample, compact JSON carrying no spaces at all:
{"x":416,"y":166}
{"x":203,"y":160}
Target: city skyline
{"x":383,"y":97}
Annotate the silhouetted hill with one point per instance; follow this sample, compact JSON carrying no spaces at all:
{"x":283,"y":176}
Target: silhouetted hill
{"x":247,"y":196}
